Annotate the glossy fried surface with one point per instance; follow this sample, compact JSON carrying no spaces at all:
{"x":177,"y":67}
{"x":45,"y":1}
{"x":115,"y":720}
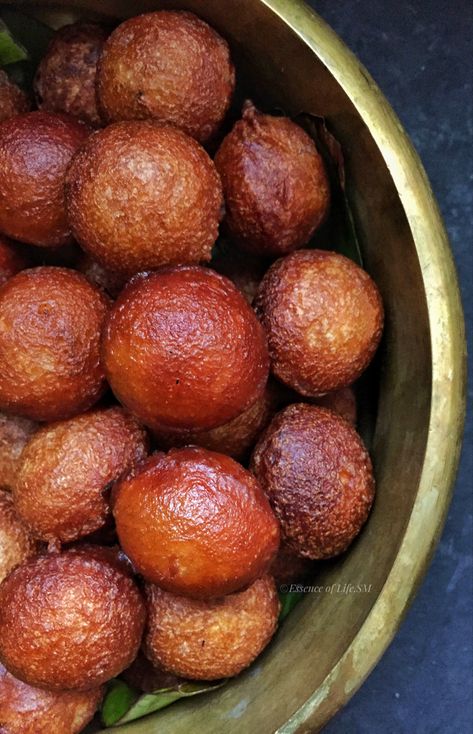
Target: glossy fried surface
{"x":141,"y":194}
{"x":67,"y":468}
{"x":28,"y":710}
{"x":324,"y":319}
{"x":170,"y":66}
{"x":195,"y":522}
{"x":16,"y":542}
{"x":65,"y":78}
{"x":183,"y":350}
{"x":69,"y":621}
{"x":14,"y":434}
{"x":12,"y":259}
{"x":13,"y":100}
{"x":212,"y":639}
{"x":50,"y":324}
{"x":35,"y":150}
{"x":274,"y":181}
{"x":318,"y":477}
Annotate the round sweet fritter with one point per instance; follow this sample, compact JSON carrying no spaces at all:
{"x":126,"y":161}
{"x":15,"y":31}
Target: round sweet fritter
{"x":50,"y":324}
{"x":35,"y":151}
{"x":212,"y":639}
{"x":318,"y":477}
{"x":195,"y":522}
{"x":12,"y":259}
{"x":13,"y":100}
{"x":16,"y":542}
{"x":274,"y":182}
{"x":65,"y":78}
{"x":14,"y":434}
{"x":170,"y":66}
{"x":183,"y":350}
{"x":69,"y":620}
{"x":28,"y":710}
{"x":142,"y":194}
{"x":67,"y":469}
{"x":342,"y":402}
{"x":323,"y":316}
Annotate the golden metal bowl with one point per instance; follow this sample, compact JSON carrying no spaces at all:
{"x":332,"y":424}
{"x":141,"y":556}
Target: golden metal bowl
{"x":332,"y":640}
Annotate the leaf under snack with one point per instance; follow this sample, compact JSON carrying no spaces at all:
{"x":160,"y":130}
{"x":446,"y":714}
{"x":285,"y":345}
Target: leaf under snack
{"x":288,"y":599}
{"x":28,"y":35}
{"x":10,"y":50}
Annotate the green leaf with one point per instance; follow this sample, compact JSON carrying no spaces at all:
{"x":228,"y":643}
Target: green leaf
{"x":28,"y":35}
{"x":288,"y":599}
{"x":10,"y":50}
{"x":339,"y":231}
{"x":121,"y":704}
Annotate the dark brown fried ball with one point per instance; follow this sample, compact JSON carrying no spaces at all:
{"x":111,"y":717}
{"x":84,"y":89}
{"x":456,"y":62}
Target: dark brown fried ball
{"x":318,"y":477}
{"x":242,"y":268}
{"x":274,"y":182}
{"x":50,"y":324}
{"x":69,"y":621}
{"x":14,"y":434}
{"x":169,"y":66}
{"x":67,"y":469}
{"x":16,"y":542}
{"x":99,"y":276}
{"x":13,"y":100}
{"x":341,"y":401}
{"x":35,"y":151}
{"x":234,"y":438}
{"x":211,"y":639}
{"x":195,"y":522}
{"x":324,"y":318}
{"x":144,"y":676}
{"x":141,"y":194}
{"x":289,"y":568}
{"x":65,"y":78}
{"x":28,"y":710}
{"x":12,"y":259}
{"x":183,"y":350}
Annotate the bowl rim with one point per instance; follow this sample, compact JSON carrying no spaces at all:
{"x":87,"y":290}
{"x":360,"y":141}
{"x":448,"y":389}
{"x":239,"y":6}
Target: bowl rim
{"x":448,"y":349}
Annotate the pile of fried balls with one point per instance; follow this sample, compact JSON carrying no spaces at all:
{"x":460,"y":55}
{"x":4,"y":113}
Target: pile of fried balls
{"x":177,"y":427}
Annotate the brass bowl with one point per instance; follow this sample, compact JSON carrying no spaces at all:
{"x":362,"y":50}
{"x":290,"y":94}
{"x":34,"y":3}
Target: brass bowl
{"x":332,"y":640}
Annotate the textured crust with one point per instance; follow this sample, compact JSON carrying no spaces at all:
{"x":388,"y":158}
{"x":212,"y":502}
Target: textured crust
{"x":208,"y":640}
{"x":69,"y":621}
{"x":28,"y":710}
{"x":67,"y":468}
{"x":183,"y":350}
{"x":324,"y":318}
{"x":16,"y":543}
{"x":196,"y":523}
{"x":342,"y":402}
{"x":169,"y":66}
{"x":65,"y":78}
{"x":141,"y":194}
{"x":274,"y":181}
{"x":288,"y":567}
{"x":50,"y":323}
{"x":12,"y":260}
{"x":14,"y":434}
{"x":35,"y":150}
{"x":318,"y":477}
{"x":13,"y":100}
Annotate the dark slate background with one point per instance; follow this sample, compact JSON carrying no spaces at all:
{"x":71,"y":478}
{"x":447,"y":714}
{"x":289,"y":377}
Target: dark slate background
{"x":421,"y":53}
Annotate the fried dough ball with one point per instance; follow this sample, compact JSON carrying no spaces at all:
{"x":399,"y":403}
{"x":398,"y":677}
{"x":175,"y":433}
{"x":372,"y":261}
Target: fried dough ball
{"x":16,"y":542}
{"x":274,"y":182}
{"x":318,"y":477}
{"x":65,"y":78}
{"x":342,"y":402}
{"x":141,"y":194}
{"x":28,"y":710}
{"x":324,"y":318}
{"x":210,"y":639}
{"x":289,"y":568}
{"x":234,"y":438}
{"x":69,"y":620}
{"x":99,"y":276}
{"x":66,"y":469}
{"x":170,"y":66}
{"x":183,"y":350}
{"x":50,"y":323}
{"x":13,"y":100}
{"x":35,"y":150}
{"x":14,"y":434}
{"x":195,"y":522}
{"x":12,"y":259}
